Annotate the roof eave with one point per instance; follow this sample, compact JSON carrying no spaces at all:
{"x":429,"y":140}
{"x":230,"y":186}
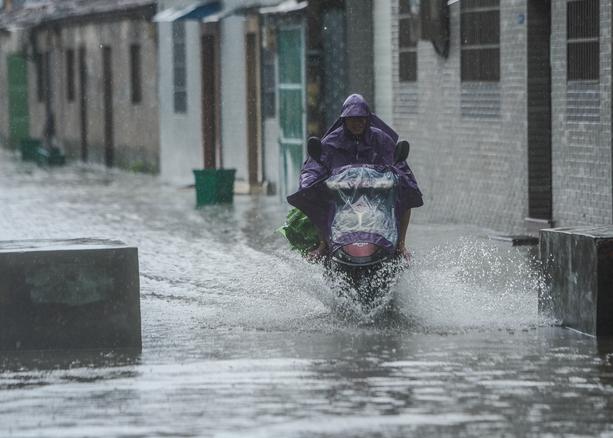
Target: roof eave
{"x":143,"y":11}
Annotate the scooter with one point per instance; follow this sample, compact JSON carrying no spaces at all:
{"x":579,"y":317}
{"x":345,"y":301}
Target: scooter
{"x":363,"y":231}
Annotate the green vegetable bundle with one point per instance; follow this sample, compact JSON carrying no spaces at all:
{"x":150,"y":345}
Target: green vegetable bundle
{"x":299,"y":231}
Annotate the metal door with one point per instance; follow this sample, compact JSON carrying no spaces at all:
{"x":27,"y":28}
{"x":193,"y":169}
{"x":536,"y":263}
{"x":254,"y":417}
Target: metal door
{"x":253,"y":153}
{"x":291,"y":95}
{"x":83,"y":101}
{"x":107,"y":79}
{"x":19,"y":118}
{"x":540,"y":198}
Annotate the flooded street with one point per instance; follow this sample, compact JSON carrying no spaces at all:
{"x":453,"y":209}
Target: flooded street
{"x":241,"y":337}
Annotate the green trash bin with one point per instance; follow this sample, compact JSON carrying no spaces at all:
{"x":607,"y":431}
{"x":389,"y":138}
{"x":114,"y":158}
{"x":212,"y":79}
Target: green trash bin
{"x":29,"y":148}
{"x":214,"y":186}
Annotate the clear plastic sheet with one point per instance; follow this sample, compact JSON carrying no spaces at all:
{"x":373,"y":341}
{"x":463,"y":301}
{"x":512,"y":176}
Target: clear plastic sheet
{"x":364,"y":203}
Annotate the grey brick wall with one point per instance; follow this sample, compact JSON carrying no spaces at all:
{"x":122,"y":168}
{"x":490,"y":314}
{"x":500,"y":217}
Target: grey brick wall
{"x":469,"y":144}
{"x":581,"y":123}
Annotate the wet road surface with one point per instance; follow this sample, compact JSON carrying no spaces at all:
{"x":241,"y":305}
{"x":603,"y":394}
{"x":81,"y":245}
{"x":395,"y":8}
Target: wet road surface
{"x":243,"y":338}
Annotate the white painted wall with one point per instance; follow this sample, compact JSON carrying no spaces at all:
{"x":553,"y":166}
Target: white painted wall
{"x":181,"y":134}
{"x":234,"y":98}
{"x":382,"y":22}
{"x":181,"y":147}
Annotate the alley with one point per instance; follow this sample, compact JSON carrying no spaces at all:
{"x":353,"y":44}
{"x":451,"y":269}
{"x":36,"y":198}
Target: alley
{"x":243,"y":338}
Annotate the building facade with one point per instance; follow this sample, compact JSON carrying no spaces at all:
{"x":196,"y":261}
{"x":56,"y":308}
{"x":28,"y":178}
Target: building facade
{"x":210,"y":90}
{"x":91,"y":79}
{"x":507,"y":105}
{"x":262,"y":76}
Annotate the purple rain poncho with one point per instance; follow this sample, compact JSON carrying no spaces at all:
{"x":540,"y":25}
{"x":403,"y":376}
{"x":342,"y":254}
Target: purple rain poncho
{"x":340,"y":148}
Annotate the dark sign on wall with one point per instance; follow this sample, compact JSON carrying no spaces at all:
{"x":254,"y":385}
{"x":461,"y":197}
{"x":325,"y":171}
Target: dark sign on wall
{"x":435,"y":24}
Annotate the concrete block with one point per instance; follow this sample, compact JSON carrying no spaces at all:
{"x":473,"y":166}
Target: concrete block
{"x":515,"y":239}
{"x":65,"y":294}
{"x":578,"y":263}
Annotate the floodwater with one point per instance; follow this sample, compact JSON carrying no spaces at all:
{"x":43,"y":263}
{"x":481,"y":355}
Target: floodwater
{"x":243,"y":338}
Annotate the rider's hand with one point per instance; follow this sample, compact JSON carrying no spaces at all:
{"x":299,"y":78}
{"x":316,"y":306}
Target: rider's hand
{"x":318,"y":253}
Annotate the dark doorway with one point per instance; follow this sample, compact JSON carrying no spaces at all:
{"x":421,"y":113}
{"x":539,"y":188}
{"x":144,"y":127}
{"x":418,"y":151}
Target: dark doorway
{"x":252,"y":108}
{"x":83,"y":101}
{"x":49,"y":128}
{"x":210,"y":111}
{"x":107,"y":78}
{"x":539,"y":115}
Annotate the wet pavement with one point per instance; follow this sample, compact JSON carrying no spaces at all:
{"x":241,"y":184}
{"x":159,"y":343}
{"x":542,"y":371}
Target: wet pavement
{"x":241,"y":337}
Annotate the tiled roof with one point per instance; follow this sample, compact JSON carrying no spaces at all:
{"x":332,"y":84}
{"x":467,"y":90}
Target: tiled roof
{"x":35,"y":13}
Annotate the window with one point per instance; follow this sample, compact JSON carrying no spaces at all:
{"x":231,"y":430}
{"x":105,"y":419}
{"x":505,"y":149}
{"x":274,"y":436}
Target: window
{"x":135,"y":73}
{"x":480,"y":38}
{"x":408,"y":35}
{"x":583,"y":44}
{"x":70,"y":82}
{"x":179,"y":67}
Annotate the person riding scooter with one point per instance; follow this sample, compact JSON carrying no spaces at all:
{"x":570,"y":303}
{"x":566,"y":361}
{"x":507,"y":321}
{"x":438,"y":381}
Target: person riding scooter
{"x":357,"y":137}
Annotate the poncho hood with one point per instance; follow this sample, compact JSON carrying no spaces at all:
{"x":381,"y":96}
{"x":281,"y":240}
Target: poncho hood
{"x":356,"y":106}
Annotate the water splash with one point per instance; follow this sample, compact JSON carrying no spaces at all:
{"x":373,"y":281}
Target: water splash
{"x":472,"y":283}
{"x":468,"y":283}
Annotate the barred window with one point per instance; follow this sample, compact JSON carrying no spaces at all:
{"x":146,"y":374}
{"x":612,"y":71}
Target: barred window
{"x":408,"y":35}
{"x":179,"y":66}
{"x":480,"y":37}
{"x":583,"y":40}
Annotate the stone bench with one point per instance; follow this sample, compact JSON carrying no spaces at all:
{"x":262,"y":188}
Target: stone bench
{"x":578,"y":263}
{"x":69,"y":294}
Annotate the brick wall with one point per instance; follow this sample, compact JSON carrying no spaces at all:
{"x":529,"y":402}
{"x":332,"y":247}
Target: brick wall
{"x":469,"y":143}
{"x":581,"y":141}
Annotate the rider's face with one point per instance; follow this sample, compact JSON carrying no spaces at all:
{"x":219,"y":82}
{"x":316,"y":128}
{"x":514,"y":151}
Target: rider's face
{"x":356,"y":125}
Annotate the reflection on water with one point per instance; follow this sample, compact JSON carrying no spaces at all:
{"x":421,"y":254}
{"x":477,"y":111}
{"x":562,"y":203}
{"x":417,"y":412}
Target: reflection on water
{"x":241,"y":337}
{"x":38,"y":368}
